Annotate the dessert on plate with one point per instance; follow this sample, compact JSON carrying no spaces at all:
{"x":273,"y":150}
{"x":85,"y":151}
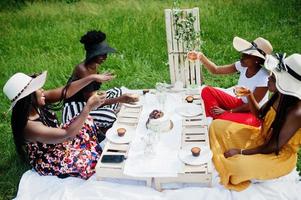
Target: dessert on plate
{"x":159,"y":121}
{"x":121,"y":132}
{"x":189,"y":99}
{"x":195,"y":151}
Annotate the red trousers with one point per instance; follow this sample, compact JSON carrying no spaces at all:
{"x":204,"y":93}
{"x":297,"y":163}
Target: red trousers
{"x":214,"y":97}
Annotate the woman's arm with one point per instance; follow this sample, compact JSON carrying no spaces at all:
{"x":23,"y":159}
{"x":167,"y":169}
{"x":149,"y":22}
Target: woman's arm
{"x":125,"y":98}
{"x":253,"y":102}
{"x":55,"y":95}
{"x":213,"y":68}
{"x":290,"y":127}
{"x":253,"y":99}
{"x":37,"y":132}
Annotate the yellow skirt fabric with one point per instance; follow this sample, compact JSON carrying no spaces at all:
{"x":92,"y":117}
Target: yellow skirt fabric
{"x":237,"y":171}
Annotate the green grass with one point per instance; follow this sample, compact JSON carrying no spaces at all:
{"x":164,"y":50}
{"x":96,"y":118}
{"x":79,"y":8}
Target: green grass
{"x":44,"y":35}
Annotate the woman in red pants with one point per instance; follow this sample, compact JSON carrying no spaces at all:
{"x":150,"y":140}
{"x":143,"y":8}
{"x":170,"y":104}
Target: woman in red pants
{"x":222,"y":105}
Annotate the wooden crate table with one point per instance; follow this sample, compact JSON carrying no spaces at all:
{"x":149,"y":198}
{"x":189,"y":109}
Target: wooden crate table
{"x":194,"y":131}
{"x":130,"y":117}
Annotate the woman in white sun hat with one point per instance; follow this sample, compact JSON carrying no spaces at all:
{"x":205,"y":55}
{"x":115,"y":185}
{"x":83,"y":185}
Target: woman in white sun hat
{"x":242,"y":153}
{"x":68,"y":150}
{"x":222,"y":105}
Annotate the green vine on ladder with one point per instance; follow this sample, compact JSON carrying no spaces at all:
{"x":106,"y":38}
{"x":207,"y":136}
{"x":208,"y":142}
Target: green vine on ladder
{"x":184,"y":28}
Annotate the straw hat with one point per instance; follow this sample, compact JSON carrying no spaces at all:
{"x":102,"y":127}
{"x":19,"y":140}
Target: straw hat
{"x":20,"y":85}
{"x":260,"y":47}
{"x":287,"y":72}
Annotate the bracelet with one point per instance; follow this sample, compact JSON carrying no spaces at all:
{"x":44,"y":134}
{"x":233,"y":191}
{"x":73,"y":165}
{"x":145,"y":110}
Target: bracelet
{"x":241,"y":151}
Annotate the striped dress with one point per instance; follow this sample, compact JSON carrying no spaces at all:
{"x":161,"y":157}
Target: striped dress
{"x":103,"y":116}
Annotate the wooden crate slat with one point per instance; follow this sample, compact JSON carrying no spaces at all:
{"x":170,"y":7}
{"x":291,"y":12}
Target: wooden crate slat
{"x":198,"y":130}
{"x":122,"y":147}
{"x":169,"y":38}
{"x":175,"y":53}
{"x":195,"y":137}
{"x":195,"y":123}
{"x":191,"y":168}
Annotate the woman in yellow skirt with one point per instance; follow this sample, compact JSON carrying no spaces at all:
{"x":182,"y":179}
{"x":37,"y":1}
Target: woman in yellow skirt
{"x":241,"y":152}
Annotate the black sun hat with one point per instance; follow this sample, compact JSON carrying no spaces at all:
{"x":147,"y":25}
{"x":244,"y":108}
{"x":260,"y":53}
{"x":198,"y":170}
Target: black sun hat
{"x":97,"y":50}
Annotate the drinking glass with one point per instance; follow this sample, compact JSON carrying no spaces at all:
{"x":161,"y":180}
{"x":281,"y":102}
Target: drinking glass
{"x":161,"y":89}
{"x":240,"y":91}
{"x":150,"y":141}
{"x":161,"y":97}
{"x":192,"y":56}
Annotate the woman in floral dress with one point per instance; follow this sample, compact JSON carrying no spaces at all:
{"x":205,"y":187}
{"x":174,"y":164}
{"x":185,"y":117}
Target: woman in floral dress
{"x":68,"y":150}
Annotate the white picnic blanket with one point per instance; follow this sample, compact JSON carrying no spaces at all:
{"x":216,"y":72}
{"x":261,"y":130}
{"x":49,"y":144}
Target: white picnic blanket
{"x":33,"y":186}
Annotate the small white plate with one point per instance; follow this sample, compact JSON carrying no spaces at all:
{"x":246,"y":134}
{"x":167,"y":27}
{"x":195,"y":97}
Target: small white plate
{"x":189,"y":110}
{"x":186,"y":156}
{"x":112,"y":134}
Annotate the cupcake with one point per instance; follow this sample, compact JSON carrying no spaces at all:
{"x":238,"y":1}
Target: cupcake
{"x":121,"y":132}
{"x":189,"y":99}
{"x":145,"y":91}
{"x":195,"y":151}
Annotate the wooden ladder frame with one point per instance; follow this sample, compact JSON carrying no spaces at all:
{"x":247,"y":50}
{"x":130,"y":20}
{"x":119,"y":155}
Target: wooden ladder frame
{"x":180,"y":68}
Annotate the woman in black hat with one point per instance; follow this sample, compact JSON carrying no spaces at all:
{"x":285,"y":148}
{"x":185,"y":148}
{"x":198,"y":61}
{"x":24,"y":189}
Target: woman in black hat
{"x":96,"y":53}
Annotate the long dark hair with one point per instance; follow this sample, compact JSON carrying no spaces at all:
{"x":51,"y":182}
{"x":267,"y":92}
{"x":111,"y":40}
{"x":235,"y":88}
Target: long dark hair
{"x":19,"y":118}
{"x":285,"y":103}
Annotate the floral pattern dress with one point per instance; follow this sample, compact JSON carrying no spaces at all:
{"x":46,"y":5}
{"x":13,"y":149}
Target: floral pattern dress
{"x":77,"y":157}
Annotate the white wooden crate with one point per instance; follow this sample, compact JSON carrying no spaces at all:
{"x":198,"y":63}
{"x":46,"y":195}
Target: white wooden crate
{"x":179,"y":67}
{"x":194,"y":131}
{"x":202,"y":174}
{"x":130,"y":117}
{"x":115,"y":170}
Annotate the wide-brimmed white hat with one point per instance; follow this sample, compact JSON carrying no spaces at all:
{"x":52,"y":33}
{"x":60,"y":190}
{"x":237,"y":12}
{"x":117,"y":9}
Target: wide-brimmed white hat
{"x":287,"y":72}
{"x":260,"y":47}
{"x":20,"y":85}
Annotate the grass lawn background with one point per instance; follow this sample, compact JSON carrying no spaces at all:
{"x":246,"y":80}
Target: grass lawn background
{"x":44,"y":35}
